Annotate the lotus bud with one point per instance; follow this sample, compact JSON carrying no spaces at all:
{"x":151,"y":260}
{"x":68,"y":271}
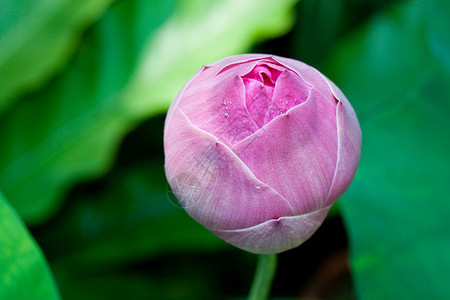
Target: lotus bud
{"x":258,"y":148}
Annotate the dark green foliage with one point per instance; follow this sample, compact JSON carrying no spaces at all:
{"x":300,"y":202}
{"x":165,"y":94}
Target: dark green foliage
{"x":82,"y":104}
{"x":396,"y":209}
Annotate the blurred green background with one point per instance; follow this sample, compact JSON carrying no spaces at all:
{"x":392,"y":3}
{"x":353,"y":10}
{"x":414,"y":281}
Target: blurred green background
{"x":85,"y":209}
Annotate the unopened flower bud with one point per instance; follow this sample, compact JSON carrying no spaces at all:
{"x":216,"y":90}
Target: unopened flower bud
{"x":258,"y":148}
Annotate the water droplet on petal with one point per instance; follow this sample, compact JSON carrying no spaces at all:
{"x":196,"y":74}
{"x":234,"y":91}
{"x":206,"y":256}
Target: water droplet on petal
{"x":226,"y":114}
{"x":257,"y":187}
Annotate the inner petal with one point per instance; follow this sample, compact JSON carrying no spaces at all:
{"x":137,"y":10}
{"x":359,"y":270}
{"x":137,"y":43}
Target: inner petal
{"x":290,"y":90}
{"x":259,"y":86}
{"x":271,"y":90}
{"x":258,"y":98}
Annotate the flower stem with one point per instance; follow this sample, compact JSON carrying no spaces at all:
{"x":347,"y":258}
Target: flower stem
{"x":265,"y":272}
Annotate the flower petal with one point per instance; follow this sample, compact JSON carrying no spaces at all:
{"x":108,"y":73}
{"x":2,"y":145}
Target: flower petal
{"x":259,"y":86}
{"x":238,"y":63}
{"x":309,"y":75}
{"x":349,"y":144}
{"x":275,"y":236}
{"x":206,"y":73}
{"x":296,"y":153}
{"x":290,"y":90}
{"x":222,"y":112}
{"x":212,"y":184}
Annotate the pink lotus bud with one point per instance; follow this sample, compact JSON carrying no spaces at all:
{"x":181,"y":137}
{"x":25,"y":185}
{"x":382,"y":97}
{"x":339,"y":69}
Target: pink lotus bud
{"x":258,"y":148}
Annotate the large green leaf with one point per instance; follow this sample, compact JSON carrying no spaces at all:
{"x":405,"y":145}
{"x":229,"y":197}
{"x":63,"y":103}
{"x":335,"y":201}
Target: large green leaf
{"x":438,"y":30}
{"x":36,"y":39}
{"x":321,"y":23}
{"x":70,"y":130}
{"x":123,"y":73}
{"x":24,"y":273}
{"x":397,"y":208}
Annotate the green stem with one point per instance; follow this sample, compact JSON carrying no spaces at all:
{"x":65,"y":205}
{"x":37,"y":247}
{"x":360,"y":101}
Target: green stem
{"x":265,"y":272}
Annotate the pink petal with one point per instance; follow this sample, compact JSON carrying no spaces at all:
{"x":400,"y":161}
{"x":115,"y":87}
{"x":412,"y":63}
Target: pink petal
{"x":237,"y":61}
{"x":296,"y":153}
{"x":258,"y":98}
{"x":275,"y":236}
{"x":209,"y":71}
{"x":349,"y":144}
{"x":290,"y":90}
{"x":212,"y":184}
{"x":222,"y":111}
{"x":259,"y":86}
{"x":308,"y":74}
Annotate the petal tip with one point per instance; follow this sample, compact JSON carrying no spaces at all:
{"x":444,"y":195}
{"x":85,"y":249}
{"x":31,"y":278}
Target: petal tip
{"x":276,"y":235}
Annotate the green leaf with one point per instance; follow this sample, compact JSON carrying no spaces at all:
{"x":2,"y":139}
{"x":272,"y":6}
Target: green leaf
{"x":36,"y":39}
{"x":70,"y":130}
{"x":396,"y":210}
{"x":124,"y":72}
{"x":321,"y":23}
{"x":24,"y":271}
{"x":375,"y":65}
{"x":438,"y":30}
